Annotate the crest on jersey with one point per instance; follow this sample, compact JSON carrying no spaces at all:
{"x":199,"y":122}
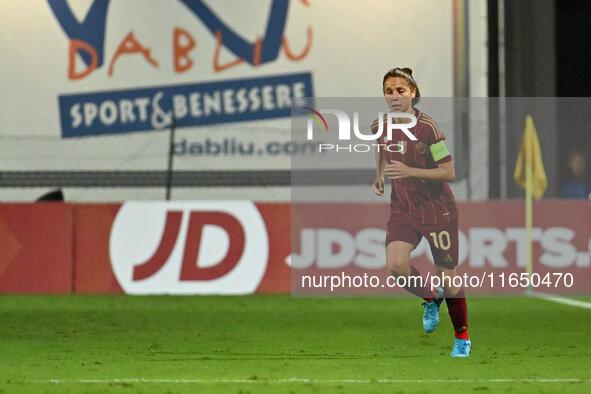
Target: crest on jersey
{"x":421,"y":148}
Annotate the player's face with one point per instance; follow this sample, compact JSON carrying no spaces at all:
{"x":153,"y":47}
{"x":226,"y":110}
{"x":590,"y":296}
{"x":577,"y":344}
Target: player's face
{"x":399,"y":95}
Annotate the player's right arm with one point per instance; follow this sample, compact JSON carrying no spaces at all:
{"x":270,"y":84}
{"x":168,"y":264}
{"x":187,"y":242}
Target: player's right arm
{"x":378,"y":185}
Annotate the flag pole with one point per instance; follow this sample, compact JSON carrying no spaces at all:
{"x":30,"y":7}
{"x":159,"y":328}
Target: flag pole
{"x":529,"y":221}
{"x":529,"y":165}
{"x":529,"y":206}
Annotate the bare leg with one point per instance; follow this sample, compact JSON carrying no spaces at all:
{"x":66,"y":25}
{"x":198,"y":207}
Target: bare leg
{"x":398,"y":261}
{"x":398,"y":258}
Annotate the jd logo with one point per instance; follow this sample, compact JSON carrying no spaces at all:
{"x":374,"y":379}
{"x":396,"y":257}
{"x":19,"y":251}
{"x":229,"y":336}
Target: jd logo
{"x":189,"y":248}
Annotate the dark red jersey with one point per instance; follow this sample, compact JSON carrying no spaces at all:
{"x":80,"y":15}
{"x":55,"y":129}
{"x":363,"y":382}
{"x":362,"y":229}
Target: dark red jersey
{"x":428,"y":202}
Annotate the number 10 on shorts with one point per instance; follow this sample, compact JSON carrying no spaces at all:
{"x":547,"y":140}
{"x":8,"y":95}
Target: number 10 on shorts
{"x":442,"y":240}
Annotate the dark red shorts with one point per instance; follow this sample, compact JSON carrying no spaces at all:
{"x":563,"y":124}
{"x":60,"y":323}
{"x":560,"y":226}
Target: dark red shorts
{"x":442,"y":237}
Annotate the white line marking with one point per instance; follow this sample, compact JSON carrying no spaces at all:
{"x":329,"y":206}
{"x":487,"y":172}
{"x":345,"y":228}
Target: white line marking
{"x":300,"y":380}
{"x":560,"y":300}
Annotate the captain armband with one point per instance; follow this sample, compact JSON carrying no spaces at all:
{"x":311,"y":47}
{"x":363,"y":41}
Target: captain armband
{"x":439,"y":150}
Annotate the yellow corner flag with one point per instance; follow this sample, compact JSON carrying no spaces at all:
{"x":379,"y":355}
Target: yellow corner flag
{"x":530,"y":156}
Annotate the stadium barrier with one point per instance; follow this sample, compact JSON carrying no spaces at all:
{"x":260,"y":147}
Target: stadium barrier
{"x":242,"y":247}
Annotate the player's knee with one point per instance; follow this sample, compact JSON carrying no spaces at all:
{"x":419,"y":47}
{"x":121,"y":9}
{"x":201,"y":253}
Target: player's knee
{"x":398,"y":267}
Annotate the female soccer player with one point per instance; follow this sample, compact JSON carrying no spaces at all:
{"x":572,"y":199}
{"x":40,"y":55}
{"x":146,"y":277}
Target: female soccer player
{"x":422,"y":204}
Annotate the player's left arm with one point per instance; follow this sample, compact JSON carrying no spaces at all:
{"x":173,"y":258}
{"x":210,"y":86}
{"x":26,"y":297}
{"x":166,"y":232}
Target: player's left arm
{"x":444,"y":172}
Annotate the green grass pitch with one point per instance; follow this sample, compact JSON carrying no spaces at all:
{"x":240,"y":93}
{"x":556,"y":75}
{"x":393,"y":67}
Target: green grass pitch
{"x":276,"y":344}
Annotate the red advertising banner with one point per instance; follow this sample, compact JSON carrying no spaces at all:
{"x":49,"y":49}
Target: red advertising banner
{"x":183,"y":234}
{"x":241,"y":247}
{"x":339,"y":249}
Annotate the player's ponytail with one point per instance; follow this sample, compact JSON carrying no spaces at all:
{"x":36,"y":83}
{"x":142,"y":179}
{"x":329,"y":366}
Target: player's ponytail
{"x":405,"y":73}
